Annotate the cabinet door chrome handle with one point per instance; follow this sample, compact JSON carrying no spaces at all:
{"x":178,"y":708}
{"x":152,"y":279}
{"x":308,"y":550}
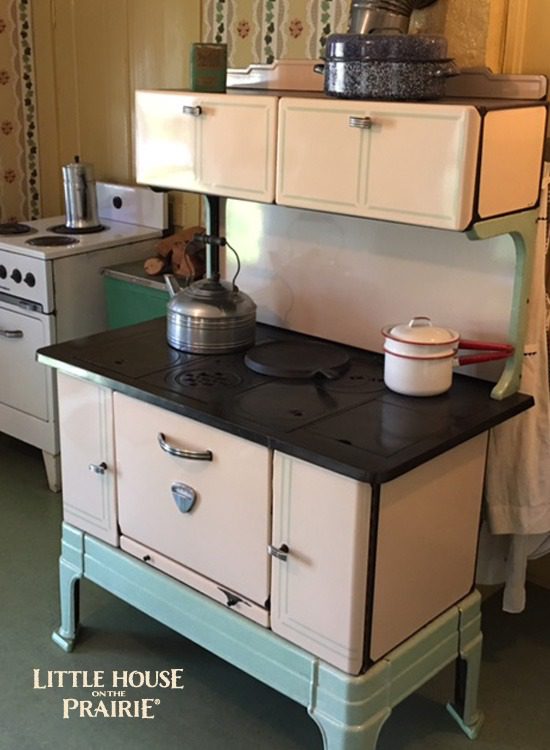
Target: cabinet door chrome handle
{"x":11,"y":334}
{"x":98,"y":468}
{"x":365,"y":123}
{"x":181,"y":453}
{"x":194,"y":111}
{"x":281,"y":553}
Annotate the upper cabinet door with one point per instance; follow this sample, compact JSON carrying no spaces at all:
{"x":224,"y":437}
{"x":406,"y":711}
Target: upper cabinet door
{"x":412,"y":163}
{"x":213,"y":143}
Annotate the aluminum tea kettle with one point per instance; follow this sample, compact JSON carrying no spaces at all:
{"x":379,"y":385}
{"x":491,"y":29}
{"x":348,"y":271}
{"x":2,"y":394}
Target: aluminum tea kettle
{"x":209,"y":316}
{"x":80,"y":195}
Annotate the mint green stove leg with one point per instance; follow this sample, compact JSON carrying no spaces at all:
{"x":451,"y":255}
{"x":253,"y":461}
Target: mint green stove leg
{"x":464,"y":709}
{"x":340,"y":737}
{"x":350,"y":711}
{"x":71,"y":568}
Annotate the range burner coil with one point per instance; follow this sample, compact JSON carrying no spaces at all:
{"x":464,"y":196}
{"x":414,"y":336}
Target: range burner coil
{"x":47,"y":240}
{"x":64,"y":229}
{"x":12,"y":228}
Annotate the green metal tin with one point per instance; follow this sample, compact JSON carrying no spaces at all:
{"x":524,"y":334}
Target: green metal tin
{"x":208,"y":67}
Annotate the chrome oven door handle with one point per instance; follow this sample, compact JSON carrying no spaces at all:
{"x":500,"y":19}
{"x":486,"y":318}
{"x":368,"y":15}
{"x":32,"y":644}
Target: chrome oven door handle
{"x":194,"y":111}
{"x":11,"y":334}
{"x":181,"y":453}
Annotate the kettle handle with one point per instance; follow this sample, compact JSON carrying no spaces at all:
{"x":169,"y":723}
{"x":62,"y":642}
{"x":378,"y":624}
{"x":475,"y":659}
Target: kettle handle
{"x":171,"y":284}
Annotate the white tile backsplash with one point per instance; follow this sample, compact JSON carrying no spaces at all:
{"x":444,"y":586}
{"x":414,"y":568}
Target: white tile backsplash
{"x":343,"y":278}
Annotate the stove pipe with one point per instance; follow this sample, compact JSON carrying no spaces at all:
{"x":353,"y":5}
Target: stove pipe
{"x":368,"y":16}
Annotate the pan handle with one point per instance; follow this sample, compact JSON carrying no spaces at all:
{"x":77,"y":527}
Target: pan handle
{"x":473,"y":359}
{"x":485,"y":346}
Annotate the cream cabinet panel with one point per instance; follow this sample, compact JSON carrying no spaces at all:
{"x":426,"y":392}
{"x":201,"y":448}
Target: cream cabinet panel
{"x":211,"y":143}
{"x":427,"y":542}
{"x":87,"y":457}
{"x":319,"y":591}
{"x":319,"y":155}
{"x":414,"y":163}
{"x":507,"y":184}
{"x":212,"y":516}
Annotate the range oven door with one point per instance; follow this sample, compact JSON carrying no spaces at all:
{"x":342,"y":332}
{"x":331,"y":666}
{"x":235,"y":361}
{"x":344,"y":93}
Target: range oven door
{"x":25,"y":385}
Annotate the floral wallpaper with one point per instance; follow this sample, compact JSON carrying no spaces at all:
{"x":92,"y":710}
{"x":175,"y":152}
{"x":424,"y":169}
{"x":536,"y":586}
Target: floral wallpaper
{"x":265,"y":30}
{"x":260,"y":31}
{"x":19,"y":193}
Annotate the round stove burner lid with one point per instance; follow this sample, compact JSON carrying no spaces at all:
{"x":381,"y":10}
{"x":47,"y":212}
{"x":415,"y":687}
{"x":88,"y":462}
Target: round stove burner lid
{"x":64,"y":229}
{"x":45,"y":240}
{"x":13,"y":227}
{"x":289,"y":359}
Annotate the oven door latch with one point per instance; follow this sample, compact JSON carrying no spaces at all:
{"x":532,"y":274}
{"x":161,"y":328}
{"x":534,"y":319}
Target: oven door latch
{"x":233,"y":599}
{"x":281,"y":553}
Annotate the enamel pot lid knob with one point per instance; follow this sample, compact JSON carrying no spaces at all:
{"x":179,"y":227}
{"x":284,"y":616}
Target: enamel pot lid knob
{"x":420,"y":330}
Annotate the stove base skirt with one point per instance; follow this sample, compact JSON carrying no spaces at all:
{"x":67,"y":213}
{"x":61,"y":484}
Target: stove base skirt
{"x":350,"y":711}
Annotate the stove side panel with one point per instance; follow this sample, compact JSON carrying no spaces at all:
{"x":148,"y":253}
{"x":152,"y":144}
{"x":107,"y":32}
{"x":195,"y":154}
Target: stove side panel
{"x":79,"y":287}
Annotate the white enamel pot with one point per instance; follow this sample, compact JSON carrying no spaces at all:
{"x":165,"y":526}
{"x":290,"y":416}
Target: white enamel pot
{"x":419,"y":357}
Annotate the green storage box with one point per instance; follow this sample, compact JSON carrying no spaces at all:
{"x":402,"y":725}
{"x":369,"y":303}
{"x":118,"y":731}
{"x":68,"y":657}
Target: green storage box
{"x":133,"y":296}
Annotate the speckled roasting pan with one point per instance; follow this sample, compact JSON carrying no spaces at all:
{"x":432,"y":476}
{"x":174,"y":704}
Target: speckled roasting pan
{"x":406,"y":67}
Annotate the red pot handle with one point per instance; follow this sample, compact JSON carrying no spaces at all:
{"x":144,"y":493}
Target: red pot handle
{"x":473,"y":359}
{"x":485,"y":345}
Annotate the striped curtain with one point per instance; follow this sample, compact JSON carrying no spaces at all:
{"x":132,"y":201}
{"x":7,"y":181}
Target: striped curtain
{"x":19,"y":178}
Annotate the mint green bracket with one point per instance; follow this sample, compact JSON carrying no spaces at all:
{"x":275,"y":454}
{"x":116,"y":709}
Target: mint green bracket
{"x":522,"y":228}
{"x":349,"y":711}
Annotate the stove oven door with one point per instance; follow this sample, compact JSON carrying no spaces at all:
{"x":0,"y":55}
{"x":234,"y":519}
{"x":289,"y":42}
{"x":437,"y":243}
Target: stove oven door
{"x":211,"y":516}
{"x":25,"y":385}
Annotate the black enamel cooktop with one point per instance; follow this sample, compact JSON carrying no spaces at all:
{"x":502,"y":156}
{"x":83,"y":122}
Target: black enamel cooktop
{"x":350,"y":423}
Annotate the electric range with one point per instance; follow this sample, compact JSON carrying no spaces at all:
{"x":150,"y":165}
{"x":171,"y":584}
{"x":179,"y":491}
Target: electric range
{"x":51,"y":290}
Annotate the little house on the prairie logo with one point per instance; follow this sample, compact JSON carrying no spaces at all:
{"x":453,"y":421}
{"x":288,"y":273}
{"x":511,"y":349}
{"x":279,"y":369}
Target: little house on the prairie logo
{"x":108,"y":693}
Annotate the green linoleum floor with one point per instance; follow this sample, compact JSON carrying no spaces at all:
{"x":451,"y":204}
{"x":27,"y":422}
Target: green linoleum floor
{"x":219,"y":707}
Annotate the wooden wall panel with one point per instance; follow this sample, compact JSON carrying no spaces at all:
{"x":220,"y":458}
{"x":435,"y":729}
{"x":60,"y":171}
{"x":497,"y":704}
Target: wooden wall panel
{"x":90,"y":56}
{"x":95,"y":36}
{"x":160,"y":52}
{"x":160,"y":58}
{"x":528,"y":37}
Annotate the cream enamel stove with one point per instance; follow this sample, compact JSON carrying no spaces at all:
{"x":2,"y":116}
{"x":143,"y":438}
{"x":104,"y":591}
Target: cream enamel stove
{"x":51,"y":290}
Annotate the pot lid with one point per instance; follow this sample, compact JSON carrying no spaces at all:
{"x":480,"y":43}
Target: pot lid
{"x":420,"y":330}
{"x":391,"y":46}
{"x":288,"y":359}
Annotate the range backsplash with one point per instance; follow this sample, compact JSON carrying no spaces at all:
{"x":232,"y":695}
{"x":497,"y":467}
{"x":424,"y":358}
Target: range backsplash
{"x":344,"y":278}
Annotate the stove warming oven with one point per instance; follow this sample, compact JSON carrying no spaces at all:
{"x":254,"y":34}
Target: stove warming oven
{"x":51,"y":290}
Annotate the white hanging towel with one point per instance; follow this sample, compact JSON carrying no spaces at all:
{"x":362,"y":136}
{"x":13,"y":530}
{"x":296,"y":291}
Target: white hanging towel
{"x":517,"y":487}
